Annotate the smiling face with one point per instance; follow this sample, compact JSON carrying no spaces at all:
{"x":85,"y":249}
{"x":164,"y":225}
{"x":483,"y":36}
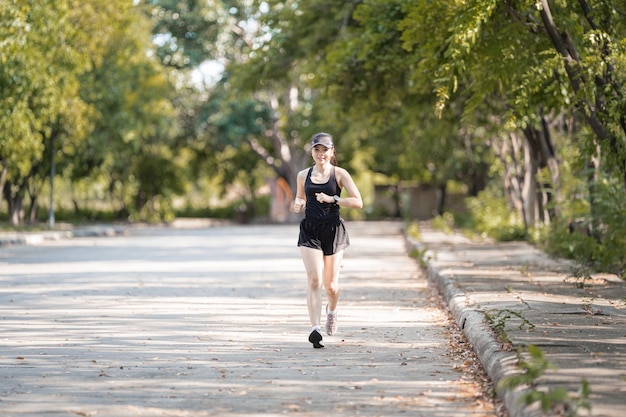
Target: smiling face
{"x":322,"y":154}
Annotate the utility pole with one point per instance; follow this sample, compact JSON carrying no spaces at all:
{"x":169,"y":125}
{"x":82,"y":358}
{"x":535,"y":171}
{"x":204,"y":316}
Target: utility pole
{"x":52,"y":172}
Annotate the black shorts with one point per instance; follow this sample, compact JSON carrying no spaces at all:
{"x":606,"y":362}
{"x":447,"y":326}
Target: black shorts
{"x":329,"y":237}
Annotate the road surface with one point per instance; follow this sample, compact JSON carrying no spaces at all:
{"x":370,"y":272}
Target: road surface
{"x":213,"y":322}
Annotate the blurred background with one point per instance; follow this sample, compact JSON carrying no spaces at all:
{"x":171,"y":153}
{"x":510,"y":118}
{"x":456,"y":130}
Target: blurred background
{"x":506,"y":119}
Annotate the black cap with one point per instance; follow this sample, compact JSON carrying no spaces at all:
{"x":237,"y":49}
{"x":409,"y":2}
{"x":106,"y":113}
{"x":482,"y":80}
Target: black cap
{"x":323,"y":139}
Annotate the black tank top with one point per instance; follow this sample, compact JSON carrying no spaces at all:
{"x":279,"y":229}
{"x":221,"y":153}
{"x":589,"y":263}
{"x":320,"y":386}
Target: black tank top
{"x":315,"y":210}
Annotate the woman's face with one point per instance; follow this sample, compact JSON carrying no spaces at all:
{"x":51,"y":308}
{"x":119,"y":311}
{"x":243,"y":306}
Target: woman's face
{"x":322,"y":154}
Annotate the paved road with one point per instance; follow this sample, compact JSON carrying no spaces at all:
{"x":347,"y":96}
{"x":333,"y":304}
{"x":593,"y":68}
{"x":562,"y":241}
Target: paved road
{"x":213,"y":322}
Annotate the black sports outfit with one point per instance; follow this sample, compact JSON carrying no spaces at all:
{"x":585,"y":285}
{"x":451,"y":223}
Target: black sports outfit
{"x":322,"y":228}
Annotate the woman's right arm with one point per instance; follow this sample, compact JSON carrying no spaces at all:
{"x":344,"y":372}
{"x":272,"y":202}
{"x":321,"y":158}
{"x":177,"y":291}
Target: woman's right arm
{"x":300,"y":200}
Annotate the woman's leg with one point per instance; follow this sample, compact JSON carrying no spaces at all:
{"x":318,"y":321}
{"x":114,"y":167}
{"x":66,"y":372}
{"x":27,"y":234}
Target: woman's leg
{"x":332,"y":266}
{"x":314,"y":265}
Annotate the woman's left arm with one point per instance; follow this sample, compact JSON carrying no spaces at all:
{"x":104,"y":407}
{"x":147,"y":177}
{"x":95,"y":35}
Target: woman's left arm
{"x":353,"y":200}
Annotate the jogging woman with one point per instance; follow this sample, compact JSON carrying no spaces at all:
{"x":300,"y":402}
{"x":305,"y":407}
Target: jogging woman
{"x":323,"y":235}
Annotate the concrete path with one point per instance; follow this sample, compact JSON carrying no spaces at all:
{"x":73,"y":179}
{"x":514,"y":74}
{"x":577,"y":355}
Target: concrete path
{"x":213,"y":322}
{"x":579,"y":324}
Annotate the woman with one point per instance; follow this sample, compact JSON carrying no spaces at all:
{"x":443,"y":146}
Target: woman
{"x":323,"y":236}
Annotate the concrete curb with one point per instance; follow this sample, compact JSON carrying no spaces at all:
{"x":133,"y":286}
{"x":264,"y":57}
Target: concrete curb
{"x":101,"y":230}
{"x":496,"y":362}
{"x":34,"y":238}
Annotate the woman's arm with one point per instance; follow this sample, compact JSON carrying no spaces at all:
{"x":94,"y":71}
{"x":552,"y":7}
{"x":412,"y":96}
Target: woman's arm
{"x":300,"y":199}
{"x":353,"y":200}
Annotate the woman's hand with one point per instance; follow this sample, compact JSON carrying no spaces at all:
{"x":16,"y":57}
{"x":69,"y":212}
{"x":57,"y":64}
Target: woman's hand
{"x":298,"y":205}
{"x":324,"y":198}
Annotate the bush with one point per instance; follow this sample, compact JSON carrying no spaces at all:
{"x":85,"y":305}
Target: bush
{"x":260,"y":207}
{"x":490,"y":216}
{"x":598,"y":240}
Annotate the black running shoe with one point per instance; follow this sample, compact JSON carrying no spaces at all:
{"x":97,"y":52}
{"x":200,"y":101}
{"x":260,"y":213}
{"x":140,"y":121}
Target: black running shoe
{"x":316,"y":338}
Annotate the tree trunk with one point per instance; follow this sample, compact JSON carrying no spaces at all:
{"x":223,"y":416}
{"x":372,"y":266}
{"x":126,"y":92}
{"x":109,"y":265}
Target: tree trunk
{"x":32,"y":209}
{"x":542,"y":154}
{"x":520,"y":157}
{"x":513,"y":179}
{"x":3,"y":176}
{"x":442,"y":194}
{"x":548,"y":152}
{"x":15,"y":201}
{"x":529,"y":187}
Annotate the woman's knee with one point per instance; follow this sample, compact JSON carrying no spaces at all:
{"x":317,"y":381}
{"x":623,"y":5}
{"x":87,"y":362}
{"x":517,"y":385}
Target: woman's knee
{"x":315,"y":281}
{"x":332,"y":287}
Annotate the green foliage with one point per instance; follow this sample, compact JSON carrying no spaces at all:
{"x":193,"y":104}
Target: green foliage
{"x":411,"y":91}
{"x":188,"y":33}
{"x":595,"y":239}
{"x":444,"y":222}
{"x":421,"y":256}
{"x":609,"y":226}
{"x":491,"y":216}
{"x":549,"y":400}
{"x":529,"y":74}
{"x":38,"y":79}
{"x":40,"y":67}
{"x":499,"y":320}
{"x":235,"y":210}
{"x":385,"y":88}
{"x":77,"y":77}
{"x":84,"y":215}
{"x":134,"y":122}
{"x":563,"y":243}
{"x":413,"y":230}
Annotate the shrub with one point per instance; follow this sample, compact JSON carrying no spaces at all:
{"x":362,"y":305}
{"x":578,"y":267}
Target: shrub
{"x":491,"y":216}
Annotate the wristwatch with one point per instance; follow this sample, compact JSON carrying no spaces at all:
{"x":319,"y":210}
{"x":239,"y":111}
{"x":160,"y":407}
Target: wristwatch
{"x":336,"y":198}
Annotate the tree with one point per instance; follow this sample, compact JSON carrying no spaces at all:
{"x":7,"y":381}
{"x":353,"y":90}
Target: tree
{"x":40,"y":64}
{"x":374,"y":77}
{"x":79,"y":82}
{"x":132,"y":145}
{"x":246,"y":37}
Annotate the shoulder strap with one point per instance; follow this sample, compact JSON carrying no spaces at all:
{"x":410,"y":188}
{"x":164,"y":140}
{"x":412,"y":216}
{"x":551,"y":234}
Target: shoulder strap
{"x":334,"y":178}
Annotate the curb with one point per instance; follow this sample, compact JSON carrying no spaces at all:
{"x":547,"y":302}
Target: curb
{"x":34,"y":238}
{"x":100,"y":230}
{"x":496,"y":362}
